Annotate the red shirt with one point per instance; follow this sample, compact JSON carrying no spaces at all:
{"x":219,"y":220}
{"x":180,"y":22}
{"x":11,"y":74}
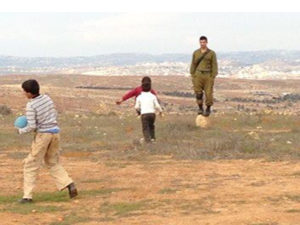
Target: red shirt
{"x":135,"y":92}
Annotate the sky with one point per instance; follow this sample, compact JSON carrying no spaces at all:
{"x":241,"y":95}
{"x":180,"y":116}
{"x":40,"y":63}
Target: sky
{"x":87,"y":34}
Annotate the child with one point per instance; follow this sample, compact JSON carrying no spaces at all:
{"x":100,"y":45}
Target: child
{"x":41,"y":117}
{"x":146,"y":103}
{"x":136,"y":91}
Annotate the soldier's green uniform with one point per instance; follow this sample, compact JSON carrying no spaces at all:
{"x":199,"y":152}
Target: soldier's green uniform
{"x":203,"y":75}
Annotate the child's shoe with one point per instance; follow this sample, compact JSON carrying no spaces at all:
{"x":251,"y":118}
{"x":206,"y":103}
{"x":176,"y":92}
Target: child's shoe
{"x":25,"y":200}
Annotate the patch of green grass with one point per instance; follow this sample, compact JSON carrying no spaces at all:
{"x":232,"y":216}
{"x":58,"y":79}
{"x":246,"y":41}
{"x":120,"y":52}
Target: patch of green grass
{"x":38,"y":197}
{"x":31,"y":208}
{"x":291,"y":197}
{"x":71,"y":219}
{"x":189,"y":207}
{"x":88,"y":181}
{"x":117,"y":165}
{"x":124,"y":208}
{"x":295,"y":198}
{"x":231,"y":136}
{"x":296,"y":174}
{"x":4,"y":199}
{"x":167,"y":191}
{"x":58,"y":196}
{"x":61,"y":196}
{"x":196,"y":206}
{"x":293,"y":211}
{"x":267,"y":223}
{"x":96,"y":192}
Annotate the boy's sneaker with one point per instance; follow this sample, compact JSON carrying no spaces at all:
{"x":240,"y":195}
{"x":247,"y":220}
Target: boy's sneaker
{"x":153,"y":140}
{"x":142,"y":140}
{"x":72,"y":190}
{"x":25,"y":200}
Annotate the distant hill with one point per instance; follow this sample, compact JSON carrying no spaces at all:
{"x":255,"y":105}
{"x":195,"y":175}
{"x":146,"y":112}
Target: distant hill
{"x":122,"y":59}
{"x":244,"y":64}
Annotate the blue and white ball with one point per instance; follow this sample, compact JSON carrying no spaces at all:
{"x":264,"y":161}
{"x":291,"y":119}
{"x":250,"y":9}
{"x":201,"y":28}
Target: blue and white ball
{"x":21,"y":122}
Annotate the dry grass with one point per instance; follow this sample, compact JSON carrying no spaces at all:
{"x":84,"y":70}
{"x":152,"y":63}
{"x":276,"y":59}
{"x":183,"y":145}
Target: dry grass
{"x":5,"y":110}
{"x":231,"y":136}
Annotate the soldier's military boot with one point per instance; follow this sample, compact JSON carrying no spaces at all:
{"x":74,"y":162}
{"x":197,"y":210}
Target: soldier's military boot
{"x":207,"y":111}
{"x":200,"y":110}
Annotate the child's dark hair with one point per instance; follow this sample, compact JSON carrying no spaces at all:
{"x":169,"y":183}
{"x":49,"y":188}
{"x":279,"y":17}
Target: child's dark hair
{"x":146,"y":80}
{"x":146,"y":87}
{"x":31,"y":86}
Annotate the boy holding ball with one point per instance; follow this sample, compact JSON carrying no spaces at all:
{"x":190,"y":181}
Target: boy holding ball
{"x":41,"y":119}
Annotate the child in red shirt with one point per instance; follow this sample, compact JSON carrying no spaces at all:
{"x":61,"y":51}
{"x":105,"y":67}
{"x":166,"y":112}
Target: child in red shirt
{"x":136,"y":91}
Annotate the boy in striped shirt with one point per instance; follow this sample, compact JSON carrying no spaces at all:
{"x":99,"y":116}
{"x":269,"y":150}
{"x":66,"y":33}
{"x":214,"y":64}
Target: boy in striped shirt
{"x":41,"y":119}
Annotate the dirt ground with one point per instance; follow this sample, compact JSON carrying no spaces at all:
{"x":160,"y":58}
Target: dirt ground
{"x":161,"y":190}
{"x":122,"y":185}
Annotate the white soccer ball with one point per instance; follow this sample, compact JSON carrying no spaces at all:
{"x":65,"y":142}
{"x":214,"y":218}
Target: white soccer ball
{"x":202,"y":121}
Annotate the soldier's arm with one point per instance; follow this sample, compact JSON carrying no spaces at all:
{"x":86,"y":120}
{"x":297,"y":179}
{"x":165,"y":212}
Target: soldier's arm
{"x":192,"y":68}
{"x":214,"y":65}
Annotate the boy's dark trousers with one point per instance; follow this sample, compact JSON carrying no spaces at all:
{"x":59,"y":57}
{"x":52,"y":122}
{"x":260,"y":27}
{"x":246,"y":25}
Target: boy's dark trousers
{"x":148,"y":120}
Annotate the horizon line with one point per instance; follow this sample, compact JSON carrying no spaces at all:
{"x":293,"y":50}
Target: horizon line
{"x":153,"y":54}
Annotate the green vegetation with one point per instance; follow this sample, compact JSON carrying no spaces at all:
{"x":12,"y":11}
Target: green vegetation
{"x":31,"y":208}
{"x":123,"y":208}
{"x":231,"y":136}
{"x":71,"y":219}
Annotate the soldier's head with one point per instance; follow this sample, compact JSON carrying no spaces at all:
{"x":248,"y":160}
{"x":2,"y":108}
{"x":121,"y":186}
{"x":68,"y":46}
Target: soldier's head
{"x":203,"y":41}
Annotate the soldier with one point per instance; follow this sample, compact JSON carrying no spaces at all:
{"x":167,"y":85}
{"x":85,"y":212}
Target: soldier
{"x":203,"y":70}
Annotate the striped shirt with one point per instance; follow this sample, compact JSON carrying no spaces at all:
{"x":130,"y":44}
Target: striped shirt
{"x":41,"y":115}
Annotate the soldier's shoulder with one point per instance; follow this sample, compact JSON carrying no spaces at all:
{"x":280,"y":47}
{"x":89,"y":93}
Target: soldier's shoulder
{"x":212,"y":51}
{"x":196,"y":51}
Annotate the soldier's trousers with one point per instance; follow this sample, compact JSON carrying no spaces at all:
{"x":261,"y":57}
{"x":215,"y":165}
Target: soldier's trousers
{"x":203,"y":82}
{"x":45,"y":147}
{"x":148,"y":120}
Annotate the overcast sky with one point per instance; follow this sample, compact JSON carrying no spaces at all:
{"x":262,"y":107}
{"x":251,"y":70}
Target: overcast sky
{"x":85,"y":34}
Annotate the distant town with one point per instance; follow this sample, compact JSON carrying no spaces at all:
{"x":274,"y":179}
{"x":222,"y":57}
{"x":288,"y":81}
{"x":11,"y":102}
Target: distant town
{"x":273,"y":64}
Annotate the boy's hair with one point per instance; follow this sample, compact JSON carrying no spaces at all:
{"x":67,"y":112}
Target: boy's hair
{"x":31,"y":86}
{"x":146,"y":87}
{"x":146,"y":80}
{"x":203,"y":38}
